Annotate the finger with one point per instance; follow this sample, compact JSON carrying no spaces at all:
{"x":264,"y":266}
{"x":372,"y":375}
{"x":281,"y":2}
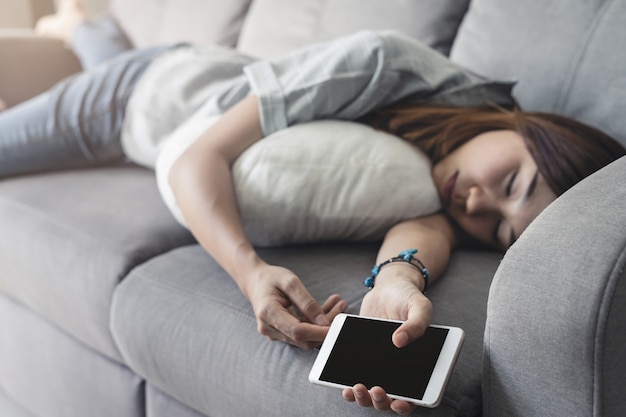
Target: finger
{"x":334,"y":305}
{"x":292,"y":329}
{"x":330,"y":303}
{"x":380,"y":400}
{"x":418,"y":319}
{"x":402,"y":408}
{"x":341,"y":307}
{"x":348,"y":395}
{"x":304,"y":301}
{"x":270,"y":332}
{"x":294,"y":312}
{"x":275,"y":335}
{"x":362,"y":395}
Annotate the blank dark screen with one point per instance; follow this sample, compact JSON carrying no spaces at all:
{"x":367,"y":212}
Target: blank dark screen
{"x":364,"y":353}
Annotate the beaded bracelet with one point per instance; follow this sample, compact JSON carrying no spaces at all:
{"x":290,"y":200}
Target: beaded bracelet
{"x":404,"y":256}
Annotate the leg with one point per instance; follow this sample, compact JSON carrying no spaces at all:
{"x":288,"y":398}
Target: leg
{"x":77,"y":123}
{"x":94,"y":42}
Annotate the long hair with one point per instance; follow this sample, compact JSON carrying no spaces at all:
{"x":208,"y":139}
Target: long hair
{"x":565,"y":150}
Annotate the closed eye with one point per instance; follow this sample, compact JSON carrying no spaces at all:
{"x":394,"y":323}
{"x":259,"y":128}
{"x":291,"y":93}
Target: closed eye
{"x":509,"y":186}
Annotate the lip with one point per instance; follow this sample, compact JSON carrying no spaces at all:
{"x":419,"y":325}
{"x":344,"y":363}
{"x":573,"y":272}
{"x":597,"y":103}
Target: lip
{"x":448,"y":190}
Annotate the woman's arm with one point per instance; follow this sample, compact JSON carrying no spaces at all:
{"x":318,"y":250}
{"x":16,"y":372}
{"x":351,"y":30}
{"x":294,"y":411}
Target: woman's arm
{"x":202,"y":183}
{"x":397,"y":293}
{"x":398,"y":290}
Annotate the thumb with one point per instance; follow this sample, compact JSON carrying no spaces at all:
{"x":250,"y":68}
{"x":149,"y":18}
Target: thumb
{"x":414,"y":327}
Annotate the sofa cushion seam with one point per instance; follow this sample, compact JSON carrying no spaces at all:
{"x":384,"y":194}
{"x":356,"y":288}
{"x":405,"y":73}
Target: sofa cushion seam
{"x":602,"y":316}
{"x":43,"y":215}
{"x":579,"y":56}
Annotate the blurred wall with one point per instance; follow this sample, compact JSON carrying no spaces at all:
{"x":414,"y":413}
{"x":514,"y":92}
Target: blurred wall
{"x":24,"y":13}
{"x":95,"y":7}
{"x":16,"y":13}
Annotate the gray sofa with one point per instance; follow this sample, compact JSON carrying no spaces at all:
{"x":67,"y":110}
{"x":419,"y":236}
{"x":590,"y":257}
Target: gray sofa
{"x":109,"y":308}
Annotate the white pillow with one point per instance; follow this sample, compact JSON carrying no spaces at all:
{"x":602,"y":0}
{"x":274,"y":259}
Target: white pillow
{"x":319,"y":181}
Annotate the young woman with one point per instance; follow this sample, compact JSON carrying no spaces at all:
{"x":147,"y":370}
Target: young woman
{"x":496,"y":168}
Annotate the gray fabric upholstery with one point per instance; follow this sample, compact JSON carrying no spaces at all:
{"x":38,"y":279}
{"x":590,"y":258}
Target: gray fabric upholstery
{"x":50,"y":374}
{"x":275,"y":27}
{"x":556,"y":326}
{"x":554,"y":342}
{"x":68,"y":238}
{"x":8,"y":408}
{"x":167,"y":21}
{"x":566,"y":55}
{"x":159,"y":404}
{"x":173,"y":316}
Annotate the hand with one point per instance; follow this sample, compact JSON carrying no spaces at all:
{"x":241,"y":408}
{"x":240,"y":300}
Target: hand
{"x":286,"y":311}
{"x":377,"y":398}
{"x":397,"y":295}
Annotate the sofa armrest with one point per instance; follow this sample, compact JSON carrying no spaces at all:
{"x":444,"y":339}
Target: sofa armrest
{"x":31,"y":64}
{"x":555,"y":335}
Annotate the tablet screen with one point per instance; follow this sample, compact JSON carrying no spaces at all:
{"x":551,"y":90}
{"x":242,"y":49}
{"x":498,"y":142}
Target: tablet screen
{"x":364,"y":353}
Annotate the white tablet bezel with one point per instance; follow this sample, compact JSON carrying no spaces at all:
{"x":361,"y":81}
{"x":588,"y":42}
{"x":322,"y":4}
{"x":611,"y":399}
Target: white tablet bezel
{"x":439,"y":378}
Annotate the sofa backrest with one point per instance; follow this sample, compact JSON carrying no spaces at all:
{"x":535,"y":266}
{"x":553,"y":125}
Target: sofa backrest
{"x":567,"y":55}
{"x":155,"y":22}
{"x":275,"y":27}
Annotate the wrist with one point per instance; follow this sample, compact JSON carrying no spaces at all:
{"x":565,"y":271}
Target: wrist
{"x":399,"y":271}
{"x":406,"y":258}
{"x":247,"y":266}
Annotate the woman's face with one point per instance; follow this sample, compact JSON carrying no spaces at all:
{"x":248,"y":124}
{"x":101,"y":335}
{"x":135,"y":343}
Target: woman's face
{"x":492,"y":188}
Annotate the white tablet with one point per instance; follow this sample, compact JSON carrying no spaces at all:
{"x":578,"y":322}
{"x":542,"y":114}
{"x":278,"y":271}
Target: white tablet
{"x":359,"y":350}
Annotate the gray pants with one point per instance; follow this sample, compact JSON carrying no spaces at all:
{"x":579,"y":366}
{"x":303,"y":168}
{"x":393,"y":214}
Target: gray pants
{"x":78,"y":122}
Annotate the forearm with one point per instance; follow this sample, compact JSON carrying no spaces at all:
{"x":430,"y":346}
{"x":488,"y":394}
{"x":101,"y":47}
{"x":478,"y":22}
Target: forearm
{"x":202,"y":183}
{"x":432,"y":236}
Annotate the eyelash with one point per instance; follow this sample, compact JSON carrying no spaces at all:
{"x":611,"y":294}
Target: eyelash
{"x":508,"y":190}
{"x":509,"y":186}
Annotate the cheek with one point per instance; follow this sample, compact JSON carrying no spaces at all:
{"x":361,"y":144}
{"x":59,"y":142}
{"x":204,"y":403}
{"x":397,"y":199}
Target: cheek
{"x":438,"y":173}
{"x":490,"y":173}
{"x":478,"y":228}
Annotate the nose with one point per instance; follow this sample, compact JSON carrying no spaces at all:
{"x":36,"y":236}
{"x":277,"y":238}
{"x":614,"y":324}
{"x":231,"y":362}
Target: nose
{"x":479,"y":202}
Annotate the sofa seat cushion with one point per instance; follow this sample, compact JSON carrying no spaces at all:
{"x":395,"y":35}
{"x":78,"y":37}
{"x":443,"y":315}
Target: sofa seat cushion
{"x":183,"y":325}
{"x":51,"y":374}
{"x":69,"y":238}
{"x":565,"y":55}
{"x":159,"y":404}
